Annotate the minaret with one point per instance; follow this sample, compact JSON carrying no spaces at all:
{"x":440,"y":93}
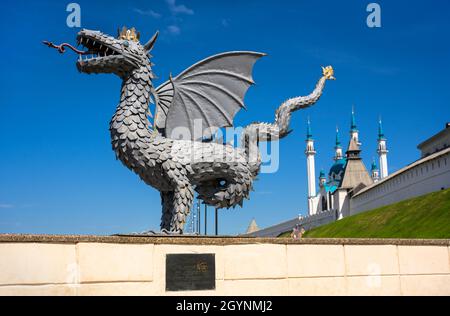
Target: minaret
{"x":338,"y":148}
{"x":354,"y":133}
{"x":375,"y":172}
{"x":382,"y":152}
{"x":322,"y":178}
{"x":310,"y":153}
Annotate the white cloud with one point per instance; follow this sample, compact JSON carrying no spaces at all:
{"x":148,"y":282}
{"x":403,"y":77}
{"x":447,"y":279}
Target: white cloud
{"x":173,"y":29}
{"x":6,"y":206}
{"x":179,"y":8}
{"x":150,"y":13}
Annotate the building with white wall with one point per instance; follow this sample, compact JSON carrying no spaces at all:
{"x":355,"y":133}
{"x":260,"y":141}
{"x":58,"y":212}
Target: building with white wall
{"x":436,"y":143}
{"x":354,"y":192}
{"x":429,"y":174}
{"x":349,"y":189}
{"x":346,"y":175}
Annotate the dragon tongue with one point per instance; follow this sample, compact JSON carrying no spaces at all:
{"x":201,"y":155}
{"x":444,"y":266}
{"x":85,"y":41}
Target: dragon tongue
{"x":61,"y":48}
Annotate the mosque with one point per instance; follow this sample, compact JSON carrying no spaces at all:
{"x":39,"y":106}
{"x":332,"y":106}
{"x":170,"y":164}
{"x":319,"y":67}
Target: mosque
{"x":347,"y":176}
{"x":349,"y":188}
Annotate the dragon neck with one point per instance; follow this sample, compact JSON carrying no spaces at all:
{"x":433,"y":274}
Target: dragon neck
{"x":130,"y":123}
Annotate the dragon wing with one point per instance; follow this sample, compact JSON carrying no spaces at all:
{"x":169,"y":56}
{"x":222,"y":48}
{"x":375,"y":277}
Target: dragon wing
{"x":208,"y":95}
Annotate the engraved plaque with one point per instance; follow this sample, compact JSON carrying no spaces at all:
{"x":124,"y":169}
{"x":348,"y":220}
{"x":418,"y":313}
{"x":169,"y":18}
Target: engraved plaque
{"x":190,"y":272}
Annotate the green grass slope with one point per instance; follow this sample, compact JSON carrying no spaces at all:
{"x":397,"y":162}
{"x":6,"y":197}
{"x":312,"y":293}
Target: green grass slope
{"x":423,"y":217}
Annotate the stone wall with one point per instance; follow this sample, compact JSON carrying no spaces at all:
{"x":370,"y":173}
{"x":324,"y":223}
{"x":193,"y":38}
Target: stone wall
{"x":425,"y":176}
{"x":307,"y":222}
{"x":317,"y":220}
{"x":71,"y":265}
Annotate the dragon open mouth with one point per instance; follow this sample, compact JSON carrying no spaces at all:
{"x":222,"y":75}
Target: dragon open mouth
{"x":95,"y":49}
{"x":101,"y":53}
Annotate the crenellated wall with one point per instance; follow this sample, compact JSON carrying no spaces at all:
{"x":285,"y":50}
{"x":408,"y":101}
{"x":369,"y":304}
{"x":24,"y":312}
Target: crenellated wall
{"x":306,"y":222}
{"x":316,"y":220}
{"x":77,"y":265}
{"x":425,"y":176}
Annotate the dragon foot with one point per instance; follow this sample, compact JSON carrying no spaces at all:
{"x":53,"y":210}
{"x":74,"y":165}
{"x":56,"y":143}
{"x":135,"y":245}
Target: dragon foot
{"x":176,"y":207}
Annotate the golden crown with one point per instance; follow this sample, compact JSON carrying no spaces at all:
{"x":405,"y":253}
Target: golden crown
{"x":128,"y":34}
{"x":328,"y":73}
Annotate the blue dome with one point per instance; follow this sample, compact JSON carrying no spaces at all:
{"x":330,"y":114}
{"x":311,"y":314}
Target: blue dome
{"x":338,"y":167}
{"x":337,"y":172}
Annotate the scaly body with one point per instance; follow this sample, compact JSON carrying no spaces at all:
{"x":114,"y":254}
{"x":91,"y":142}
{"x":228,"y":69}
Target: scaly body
{"x":221,"y":174}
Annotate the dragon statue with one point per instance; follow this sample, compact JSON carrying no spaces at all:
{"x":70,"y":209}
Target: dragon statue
{"x":209,"y":93}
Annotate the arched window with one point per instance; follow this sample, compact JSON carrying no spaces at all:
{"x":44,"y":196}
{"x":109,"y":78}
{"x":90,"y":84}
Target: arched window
{"x":324,"y":203}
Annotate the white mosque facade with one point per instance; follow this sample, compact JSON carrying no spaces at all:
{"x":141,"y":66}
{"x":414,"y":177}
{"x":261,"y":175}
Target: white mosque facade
{"x":347,"y":176}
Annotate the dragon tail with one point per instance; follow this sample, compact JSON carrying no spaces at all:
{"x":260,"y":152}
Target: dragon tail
{"x":266,"y":132}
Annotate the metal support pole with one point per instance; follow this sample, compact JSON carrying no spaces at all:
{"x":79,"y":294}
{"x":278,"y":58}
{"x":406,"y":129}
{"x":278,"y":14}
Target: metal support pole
{"x":217,"y":222}
{"x":199,"y":218}
{"x":206,"y":220}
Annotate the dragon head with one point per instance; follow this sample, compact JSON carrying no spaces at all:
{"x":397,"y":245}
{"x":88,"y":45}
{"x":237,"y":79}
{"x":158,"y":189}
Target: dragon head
{"x":107,"y":54}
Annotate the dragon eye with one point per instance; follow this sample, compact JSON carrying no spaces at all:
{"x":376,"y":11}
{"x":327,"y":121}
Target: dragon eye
{"x":125,"y":43}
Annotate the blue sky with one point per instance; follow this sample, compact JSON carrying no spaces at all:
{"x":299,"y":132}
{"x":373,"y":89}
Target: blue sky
{"x":58,"y":174}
